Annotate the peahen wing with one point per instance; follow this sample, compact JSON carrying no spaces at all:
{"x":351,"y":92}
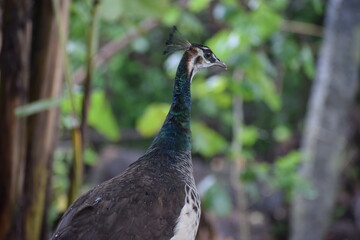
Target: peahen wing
{"x":142,"y":203}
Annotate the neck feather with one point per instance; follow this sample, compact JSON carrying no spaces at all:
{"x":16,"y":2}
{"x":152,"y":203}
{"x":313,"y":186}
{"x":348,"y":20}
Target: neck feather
{"x":175,"y":134}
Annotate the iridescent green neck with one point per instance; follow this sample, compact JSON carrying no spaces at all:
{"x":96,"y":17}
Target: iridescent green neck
{"x":175,"y":134}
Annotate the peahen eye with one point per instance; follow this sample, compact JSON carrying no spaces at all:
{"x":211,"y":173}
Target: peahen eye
{"x":207,"y":54}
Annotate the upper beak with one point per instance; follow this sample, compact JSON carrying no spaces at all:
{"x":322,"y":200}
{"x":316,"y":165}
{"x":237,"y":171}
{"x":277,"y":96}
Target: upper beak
{"x":220,"y":64}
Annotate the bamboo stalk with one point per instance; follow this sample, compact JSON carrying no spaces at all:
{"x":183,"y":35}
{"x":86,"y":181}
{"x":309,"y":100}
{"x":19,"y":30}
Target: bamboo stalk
{"x":78,"y":134}
{"x":76,"y":174}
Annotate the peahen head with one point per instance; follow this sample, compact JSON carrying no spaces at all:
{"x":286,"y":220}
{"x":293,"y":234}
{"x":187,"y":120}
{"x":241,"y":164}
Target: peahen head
{"x":196,"y":56}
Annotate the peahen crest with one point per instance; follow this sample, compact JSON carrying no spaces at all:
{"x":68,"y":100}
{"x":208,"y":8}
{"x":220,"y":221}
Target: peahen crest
{"x":176,"y":42}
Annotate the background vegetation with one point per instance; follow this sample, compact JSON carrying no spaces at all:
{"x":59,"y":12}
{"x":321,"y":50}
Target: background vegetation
{"x":247,"y":122}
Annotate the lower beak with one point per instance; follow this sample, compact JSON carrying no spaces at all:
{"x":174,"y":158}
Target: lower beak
{"x":220,"y":64}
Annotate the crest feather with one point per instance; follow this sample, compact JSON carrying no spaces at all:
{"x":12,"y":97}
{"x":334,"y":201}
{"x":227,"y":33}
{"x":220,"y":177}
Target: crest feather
{"x":176,"y":42}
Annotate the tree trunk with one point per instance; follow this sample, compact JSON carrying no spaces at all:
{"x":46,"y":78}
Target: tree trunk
{"x":324,"y":139}
{"x":14,"y":67}
{"x":31,"y":65}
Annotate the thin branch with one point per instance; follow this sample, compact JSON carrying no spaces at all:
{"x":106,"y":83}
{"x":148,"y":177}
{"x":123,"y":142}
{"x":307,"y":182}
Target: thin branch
{"x":91,"y":46}
{"x":302,"y":28}
{"x":110,"y":49}
{"x":67,"y":74}
{"x":239,"y":162}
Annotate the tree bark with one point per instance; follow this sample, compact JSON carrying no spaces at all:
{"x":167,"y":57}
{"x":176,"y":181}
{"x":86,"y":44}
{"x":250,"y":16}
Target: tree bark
{"x":45,"y":82}
{"x":324,"y":140}
{"x":14,"y":67}
{"x":31,"y":65}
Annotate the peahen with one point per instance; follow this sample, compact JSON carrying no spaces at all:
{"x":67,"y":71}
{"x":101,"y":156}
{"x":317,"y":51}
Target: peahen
{"x":156,"y":197}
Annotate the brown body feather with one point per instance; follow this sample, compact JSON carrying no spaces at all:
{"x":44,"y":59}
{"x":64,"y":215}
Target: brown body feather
{"x":142,"y":203}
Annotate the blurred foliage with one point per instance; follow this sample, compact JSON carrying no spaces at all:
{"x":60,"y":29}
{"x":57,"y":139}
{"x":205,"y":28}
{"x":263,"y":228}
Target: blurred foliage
{"x":248,"y":136}
{"x":100,"y":114}
{"x":206,"y":141}
{"x":269,"y":69}
{"x":151,"y":121}
{"x":282,"y":167}
{"x":218,"y":200}
{"x":37,"y":106}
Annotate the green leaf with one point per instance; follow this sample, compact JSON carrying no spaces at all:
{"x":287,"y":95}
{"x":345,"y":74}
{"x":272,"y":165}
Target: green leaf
{"x":223,"y":100}
{"x":171,"y":16}
{"x":286,"y":176}
{"x":271,"y":98}
{"x":152,"y":119}
{"x":246,"y":89}
{"x":318,"y":6}
{"x":37,"y":106}
{"x":277,"y":4}
{"x":248,"y":136}
{"x":90,"y":156}
{"x":288,"y":162}
{"x":235,"y":42}
{"x":101,"y":116}
{"x":256,"y":26}
{"x":256,"y":172}
{"x":191,"y":22}
{"x":198,"y":5}
{"x":145,"y":8}
{"x":66,"y":104}
{"x":308,"y":61}
{"x":262,"y":86}
{"x":111,"y":10}
{"x":265,"y":21}
{"x":289,"y":53}
{"x":281,"y":133}
{"x":206,"y":141}
{"x":212,"y":93}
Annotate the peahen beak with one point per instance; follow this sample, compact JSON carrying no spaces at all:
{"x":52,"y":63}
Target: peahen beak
{"x":220,"y":64}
